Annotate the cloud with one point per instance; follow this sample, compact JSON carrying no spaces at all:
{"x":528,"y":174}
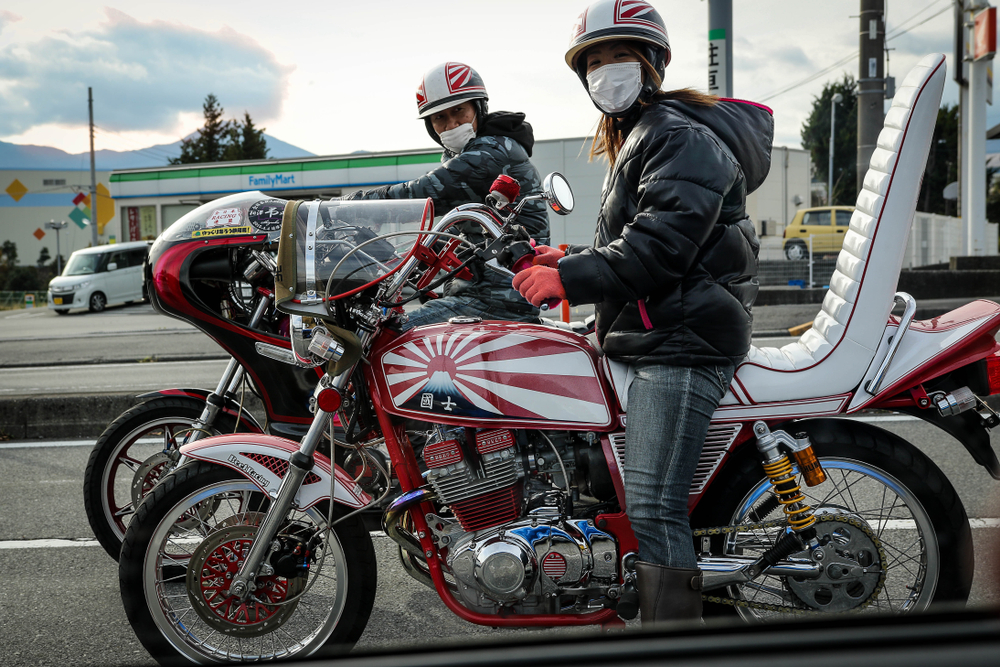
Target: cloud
{"x":144,"y":75}
{"x":7,"y":18}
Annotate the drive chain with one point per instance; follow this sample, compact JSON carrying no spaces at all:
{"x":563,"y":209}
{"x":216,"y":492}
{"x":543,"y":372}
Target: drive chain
{"x":780,"y":523}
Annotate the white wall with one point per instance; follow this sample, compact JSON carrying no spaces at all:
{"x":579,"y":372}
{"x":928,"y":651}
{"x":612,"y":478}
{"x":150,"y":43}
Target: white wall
{"x":935,"y":239}
{"x":787,"y":182}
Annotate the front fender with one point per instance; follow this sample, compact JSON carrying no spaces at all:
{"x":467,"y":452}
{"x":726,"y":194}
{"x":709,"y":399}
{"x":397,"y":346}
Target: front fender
{"x":247,"y":420}
{"x":263,"y":459}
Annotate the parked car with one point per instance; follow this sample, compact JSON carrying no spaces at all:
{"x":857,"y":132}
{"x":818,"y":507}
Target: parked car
{"x":97,"y":277}
{"x":827,"y":225}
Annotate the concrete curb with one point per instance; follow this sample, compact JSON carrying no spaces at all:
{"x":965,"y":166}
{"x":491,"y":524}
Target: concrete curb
{"x":145,"y":360}
{"x":71,"y":416}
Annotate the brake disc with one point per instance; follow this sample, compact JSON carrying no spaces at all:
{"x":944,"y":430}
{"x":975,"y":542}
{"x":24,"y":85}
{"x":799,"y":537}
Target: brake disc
{"x":148,"y":474}
{"x":214,"y":565}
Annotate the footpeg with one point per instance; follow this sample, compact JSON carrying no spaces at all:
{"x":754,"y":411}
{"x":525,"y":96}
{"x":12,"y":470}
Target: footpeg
{"x":628,"y":603}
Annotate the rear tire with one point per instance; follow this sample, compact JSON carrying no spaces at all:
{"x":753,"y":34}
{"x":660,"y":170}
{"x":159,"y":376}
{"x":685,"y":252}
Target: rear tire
{"x":328,"y":619}
{"x":120,"y":452}
{"x":935,"y":556}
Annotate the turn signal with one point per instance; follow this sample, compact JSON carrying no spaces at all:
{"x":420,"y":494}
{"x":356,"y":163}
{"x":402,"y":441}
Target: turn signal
{"x":809,"y":466}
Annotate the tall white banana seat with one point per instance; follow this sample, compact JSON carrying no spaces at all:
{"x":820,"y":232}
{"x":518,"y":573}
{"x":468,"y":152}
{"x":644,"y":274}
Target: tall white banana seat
{"x":831,"y":359}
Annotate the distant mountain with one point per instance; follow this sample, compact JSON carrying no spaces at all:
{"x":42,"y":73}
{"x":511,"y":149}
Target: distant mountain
{"x":22,"y":156}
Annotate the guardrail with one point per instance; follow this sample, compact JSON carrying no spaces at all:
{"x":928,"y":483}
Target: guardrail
{"x":12,"y":300}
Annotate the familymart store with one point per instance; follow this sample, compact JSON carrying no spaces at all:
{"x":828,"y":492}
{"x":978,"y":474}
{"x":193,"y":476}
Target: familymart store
{"x":150,"y":200}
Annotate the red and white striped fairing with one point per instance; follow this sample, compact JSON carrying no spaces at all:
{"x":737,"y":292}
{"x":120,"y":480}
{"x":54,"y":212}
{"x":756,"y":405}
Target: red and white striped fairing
{"x":509,"y":374}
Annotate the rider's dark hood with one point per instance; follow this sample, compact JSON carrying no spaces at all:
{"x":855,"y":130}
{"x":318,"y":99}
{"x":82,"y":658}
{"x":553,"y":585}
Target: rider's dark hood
{"x":508,"y":124}
{"x":746,"y":128}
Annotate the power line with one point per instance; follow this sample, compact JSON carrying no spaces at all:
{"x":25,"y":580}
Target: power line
{"x":812,"y":77}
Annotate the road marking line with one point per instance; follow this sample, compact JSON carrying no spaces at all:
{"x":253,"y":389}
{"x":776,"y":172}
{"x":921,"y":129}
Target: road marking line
{"x":57,"y":543}
{"x":38,"y":445}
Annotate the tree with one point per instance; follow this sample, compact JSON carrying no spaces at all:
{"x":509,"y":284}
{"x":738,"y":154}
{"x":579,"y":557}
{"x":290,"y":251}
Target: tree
{"x":221,"y":140}
{"x":43,"y":257}
{"x":8,"y":255}
{"x":246,"y":142}
{"x":942,"y":164}
{"x":815,"y":135}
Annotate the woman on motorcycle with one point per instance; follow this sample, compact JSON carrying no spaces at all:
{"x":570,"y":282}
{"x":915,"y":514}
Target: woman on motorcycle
{"x":478,"y":147}
{"x":672,"y":272}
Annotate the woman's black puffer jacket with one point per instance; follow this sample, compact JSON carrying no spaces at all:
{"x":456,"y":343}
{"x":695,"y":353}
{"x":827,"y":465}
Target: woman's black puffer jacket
{"x":673,"y":270}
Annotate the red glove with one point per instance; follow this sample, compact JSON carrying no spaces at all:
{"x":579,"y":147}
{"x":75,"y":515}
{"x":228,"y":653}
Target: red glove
{"x":538,"y":284}
{"x":547,"y":256}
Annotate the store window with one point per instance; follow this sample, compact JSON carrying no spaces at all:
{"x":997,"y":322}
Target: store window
{"x":139,"y":223}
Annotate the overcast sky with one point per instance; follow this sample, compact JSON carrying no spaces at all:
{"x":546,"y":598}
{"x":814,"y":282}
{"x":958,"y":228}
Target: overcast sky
{"x":337,"y":76}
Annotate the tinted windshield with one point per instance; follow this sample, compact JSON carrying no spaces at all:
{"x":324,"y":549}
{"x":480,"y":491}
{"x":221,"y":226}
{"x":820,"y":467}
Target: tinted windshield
{"x":344,"y":245}
{"x":82,"y":264}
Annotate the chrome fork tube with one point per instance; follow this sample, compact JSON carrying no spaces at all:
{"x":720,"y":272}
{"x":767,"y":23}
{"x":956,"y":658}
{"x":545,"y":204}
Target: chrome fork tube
{"x":230,"y":379}
{"x":299,"y":465}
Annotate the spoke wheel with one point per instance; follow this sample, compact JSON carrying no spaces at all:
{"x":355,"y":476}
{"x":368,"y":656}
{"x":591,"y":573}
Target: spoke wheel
{"x":906,"y":502}
{"x":185,"y":614}
{"x":131,"y":456}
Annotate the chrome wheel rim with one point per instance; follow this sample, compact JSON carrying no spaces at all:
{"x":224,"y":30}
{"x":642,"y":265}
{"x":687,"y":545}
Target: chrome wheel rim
{"x":136,"y":466}
{"x":317,"y":611}
{"x":892,"y":512}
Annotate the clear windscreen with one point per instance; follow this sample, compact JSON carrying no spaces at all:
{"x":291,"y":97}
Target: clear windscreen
{"x":331,"y":248}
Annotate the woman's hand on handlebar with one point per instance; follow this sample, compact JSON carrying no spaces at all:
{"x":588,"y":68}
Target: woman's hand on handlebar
{"x":547,"y":256}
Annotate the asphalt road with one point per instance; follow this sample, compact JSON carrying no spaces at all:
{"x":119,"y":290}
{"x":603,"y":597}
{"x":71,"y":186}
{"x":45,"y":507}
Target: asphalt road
{"x":60,"y":603}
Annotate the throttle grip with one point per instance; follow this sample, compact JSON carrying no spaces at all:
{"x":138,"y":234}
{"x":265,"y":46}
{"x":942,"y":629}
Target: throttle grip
{"x":524,"y":263}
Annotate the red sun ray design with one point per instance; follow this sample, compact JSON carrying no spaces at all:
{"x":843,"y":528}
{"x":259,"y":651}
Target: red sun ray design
{"x":510,"y":374}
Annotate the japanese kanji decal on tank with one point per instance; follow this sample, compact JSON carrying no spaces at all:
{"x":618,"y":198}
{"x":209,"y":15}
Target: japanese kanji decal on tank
{"x":491,"y":372}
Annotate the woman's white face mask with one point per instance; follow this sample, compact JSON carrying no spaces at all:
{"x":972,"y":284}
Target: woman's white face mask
{"x":456,"y":139}
{"x":615,"y":87}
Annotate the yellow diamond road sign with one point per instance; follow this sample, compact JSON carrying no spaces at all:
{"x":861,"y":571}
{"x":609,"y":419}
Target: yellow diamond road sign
{"x":17,"y":190}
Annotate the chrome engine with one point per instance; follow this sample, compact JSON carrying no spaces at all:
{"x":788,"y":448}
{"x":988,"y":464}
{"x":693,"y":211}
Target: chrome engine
{"x":511,"y":542}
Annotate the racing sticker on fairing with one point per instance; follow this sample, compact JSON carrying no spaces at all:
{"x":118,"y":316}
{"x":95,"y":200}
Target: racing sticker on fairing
{"x":221,"y":231}
{"x":266,"y":214}
{"x":224,"y":217}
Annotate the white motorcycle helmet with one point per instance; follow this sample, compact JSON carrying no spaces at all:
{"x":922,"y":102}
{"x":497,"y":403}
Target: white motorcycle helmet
{"x":613,"y":20}
{"x":445,"y":86}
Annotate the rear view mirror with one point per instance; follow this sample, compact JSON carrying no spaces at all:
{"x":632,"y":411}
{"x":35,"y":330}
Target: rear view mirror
{"x":112,"y":266}
{"x":558,"y":193}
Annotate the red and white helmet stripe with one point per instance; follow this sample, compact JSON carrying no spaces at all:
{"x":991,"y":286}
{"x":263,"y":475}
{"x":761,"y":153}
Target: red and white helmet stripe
{"x":611,"y":20}
{"x":446,"y":85}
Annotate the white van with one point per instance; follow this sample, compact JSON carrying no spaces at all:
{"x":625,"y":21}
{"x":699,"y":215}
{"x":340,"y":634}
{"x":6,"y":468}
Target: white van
{"x":97,"y":277}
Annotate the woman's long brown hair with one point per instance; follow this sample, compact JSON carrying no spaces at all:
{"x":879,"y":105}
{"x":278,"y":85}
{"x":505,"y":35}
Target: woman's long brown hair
{"x":609,"y":138}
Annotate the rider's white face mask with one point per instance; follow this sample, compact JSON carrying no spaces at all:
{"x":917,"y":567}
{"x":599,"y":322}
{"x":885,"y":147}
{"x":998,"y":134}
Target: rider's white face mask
{"x":456,"y":139}
{"x":616,"y":86}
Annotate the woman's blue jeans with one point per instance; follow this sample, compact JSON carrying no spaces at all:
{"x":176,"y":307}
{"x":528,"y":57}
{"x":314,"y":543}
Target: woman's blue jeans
{"x":669,"y":410}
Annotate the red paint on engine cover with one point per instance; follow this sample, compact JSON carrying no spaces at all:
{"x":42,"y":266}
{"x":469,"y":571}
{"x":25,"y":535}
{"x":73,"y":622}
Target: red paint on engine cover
{"x":494,"y":440}
{"x":489,"y":509}
{"x":442,"y":454}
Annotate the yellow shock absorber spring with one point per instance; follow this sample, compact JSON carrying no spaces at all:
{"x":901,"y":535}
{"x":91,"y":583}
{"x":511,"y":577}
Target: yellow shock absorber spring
{"x":781,"y":474}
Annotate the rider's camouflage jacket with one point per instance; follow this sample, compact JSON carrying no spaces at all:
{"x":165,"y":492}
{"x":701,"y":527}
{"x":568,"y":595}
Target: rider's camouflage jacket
{"x":502,"y":147}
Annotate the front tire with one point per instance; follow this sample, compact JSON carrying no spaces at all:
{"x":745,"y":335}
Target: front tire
{"x":131,"y":456}
{"x":796,"y":251}
{"x":98,"y":302}
{"x":181,"y":517}
{"x":872,"y":475}
{"x":61,"y":311}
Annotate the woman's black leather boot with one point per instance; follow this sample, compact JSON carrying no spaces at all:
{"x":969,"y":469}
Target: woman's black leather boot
{"x":668,"y":593}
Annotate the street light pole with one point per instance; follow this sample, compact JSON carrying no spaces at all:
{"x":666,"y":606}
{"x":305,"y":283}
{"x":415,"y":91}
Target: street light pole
{"x":834,"y":101}
{"x":57,"y":226}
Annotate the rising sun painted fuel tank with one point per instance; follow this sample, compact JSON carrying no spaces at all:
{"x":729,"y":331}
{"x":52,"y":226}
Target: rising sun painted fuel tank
{"x":513,"y":375}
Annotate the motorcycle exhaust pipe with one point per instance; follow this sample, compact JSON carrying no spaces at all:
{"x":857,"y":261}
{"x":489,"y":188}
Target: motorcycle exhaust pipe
{"x":395,"y":511}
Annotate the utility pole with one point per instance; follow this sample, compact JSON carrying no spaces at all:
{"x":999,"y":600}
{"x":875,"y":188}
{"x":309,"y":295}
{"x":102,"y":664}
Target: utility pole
{"x":58,"y":227}
{"x":720,"y":47}
{"x":93,"y":171}
{"x":871,"y":82}
{"x":983,"y":18}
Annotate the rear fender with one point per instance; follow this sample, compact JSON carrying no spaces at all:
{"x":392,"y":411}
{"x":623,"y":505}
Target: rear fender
{"x":967,"y":429}
{"x":232,"y":408}
{"x":263,"y":459}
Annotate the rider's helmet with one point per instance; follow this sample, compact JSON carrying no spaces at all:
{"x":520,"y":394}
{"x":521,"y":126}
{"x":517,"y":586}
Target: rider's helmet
{"x":612,"y":20}
{"x":447,"y":85}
